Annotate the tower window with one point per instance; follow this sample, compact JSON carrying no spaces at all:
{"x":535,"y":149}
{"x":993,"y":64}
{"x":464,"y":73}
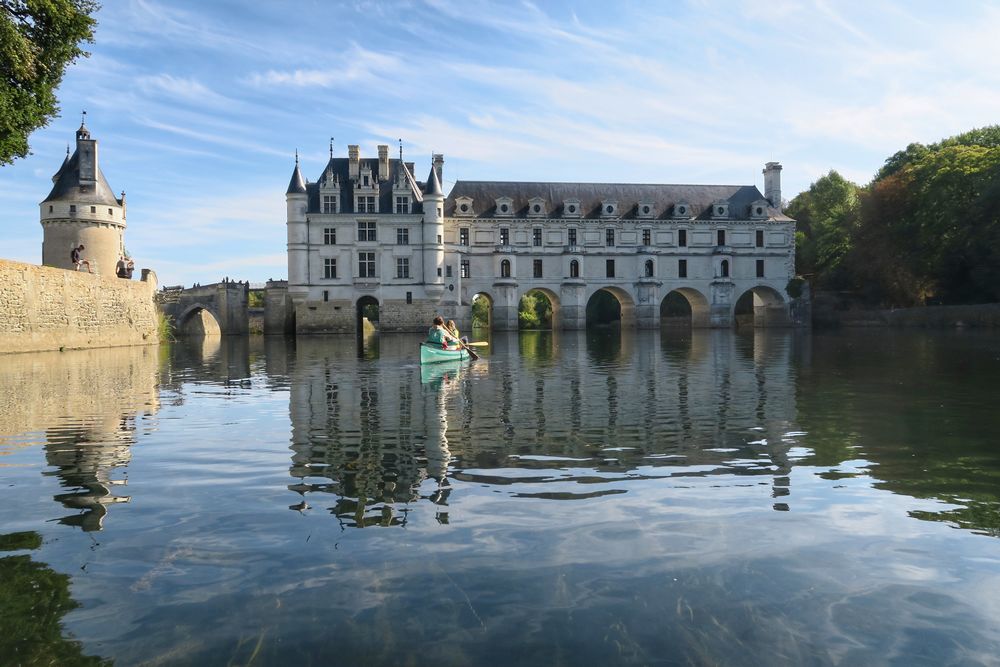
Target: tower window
{"x":93,"y":209}
{"x":72,"y":208}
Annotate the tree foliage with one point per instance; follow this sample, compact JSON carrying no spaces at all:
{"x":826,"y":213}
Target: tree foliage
{"x":925,"y":230}
{"x":38,"y":40}
{"x":534,"y":311}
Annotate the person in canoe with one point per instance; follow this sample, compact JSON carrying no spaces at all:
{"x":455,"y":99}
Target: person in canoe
{"x":453,"y":330}
{"x":438,"y":335}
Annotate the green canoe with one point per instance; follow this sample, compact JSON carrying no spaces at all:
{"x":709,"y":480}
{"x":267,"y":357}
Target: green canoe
{"x":431,"y":353}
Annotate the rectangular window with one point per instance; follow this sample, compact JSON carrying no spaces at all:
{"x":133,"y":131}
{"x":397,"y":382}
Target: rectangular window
{"x":326,"y":295}
{"x":720,"y":237}
{"x":329,"y":203}
{"x":409,"y":297}
{"x":402,"y":267}
{"x":366,"y":230}
{"x":571,"y":232}
{"x":682,"y":268}
{"x":463,"y":236}
{"x":366,"y":204}
{"x":329,"y":236}
{"x":682,"y":238}
{"x":537,"y":268}
{"x":402,"y":236}
{"x":760,"y":238}
{"x":329,"y":267}
{"x":464,"y":269}
{"x":647,"y":237}
{"x":609,"y":267}
{"x":609,"y":237}
{"x":536,"y":236}
{"x":72,"y":208}
{"x":447,"y":271}
{"x":504,"y":236}
{"x":760,"y":268}
{"x":93,"y":209}
{"x":366,"y":265}
{"x":402,"y":204}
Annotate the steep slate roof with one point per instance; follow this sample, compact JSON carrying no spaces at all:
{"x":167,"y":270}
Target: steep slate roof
{"x":628,"y":196}
{"x":67,"y":186}
{"x":433,"y":186}
{"x":386,"y":204}
{"x":296,"y":185}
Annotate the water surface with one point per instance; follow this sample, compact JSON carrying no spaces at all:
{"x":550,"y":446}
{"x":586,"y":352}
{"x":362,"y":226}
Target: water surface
{"x":570,"y":499}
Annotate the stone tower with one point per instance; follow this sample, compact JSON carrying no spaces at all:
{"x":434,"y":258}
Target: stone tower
{"x":82,"y":209}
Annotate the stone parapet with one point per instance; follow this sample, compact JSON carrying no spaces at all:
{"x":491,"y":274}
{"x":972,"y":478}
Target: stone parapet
{"x":45,"y":308}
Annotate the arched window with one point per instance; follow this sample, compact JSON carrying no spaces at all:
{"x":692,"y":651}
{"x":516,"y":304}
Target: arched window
{"x":574,"y":269}
{"x":649,"y":268}
{"x":725,"y":268}
{"x":505,"y":268}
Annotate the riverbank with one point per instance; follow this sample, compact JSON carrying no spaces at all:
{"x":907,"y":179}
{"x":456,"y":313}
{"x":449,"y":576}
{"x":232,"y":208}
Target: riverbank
{"x":829,"y":314}
{"x":45,"y":308}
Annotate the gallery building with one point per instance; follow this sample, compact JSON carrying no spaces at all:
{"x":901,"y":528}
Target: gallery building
{"x":368,"y":235}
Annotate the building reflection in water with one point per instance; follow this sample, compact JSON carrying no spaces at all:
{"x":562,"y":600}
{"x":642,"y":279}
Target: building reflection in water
{"x":83,"y":407}
{"x":379,"y":435}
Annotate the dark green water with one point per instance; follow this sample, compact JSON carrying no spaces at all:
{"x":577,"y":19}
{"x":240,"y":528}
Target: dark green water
{"x":570,"y":499}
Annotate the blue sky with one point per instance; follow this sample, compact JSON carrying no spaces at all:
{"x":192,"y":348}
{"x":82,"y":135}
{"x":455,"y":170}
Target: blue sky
{"x":199,"y":106}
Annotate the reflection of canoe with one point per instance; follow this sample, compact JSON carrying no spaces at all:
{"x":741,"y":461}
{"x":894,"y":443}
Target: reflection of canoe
{"x":431,"y":354}
{"x":437,"y":374}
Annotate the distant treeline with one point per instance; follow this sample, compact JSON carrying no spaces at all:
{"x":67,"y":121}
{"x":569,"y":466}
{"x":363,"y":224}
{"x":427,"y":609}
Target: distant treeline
{"x":926,"y":230}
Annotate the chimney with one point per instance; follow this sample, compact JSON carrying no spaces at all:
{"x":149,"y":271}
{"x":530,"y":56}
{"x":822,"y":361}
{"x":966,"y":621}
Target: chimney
{"x":86,"y":151}
{"x":439,"y":166}
{"x":772,"y":183}
{"x":354,"y":162}
{"x":383,"y":162}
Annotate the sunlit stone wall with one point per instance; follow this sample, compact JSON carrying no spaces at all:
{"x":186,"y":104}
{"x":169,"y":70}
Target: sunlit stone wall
{"x":45,"y":308}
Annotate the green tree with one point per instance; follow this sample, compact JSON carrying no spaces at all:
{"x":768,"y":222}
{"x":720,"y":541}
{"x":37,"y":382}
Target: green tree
{"x":534,"y":311}
{"x":38,"y":40}
{"x":480,"y":312}
{"x":827,"y":216}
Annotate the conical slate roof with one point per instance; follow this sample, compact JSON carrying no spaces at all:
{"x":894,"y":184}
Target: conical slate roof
{"x":297,"y":185}
{"x":68,"y":188}
{"x":433,"y":186}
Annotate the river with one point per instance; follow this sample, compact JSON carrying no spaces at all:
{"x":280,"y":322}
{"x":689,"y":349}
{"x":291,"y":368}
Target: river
{"x":572,"y":498}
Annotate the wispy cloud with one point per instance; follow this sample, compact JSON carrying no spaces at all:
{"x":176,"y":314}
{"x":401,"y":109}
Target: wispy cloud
{"x":355,"y":65}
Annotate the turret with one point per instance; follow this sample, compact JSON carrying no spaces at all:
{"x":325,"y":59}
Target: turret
{"x":433,"y":231}
{"x":297,"y":202}
{"x":81,"y":209}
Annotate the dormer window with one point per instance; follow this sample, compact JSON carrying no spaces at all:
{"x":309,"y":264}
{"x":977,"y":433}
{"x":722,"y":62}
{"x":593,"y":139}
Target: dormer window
{"x":463,"y":206}
{"x":402,"y":204}
{"x":758,"y":209}
{"x":682,"y":210}
{"x":330,"y":204}
{"x":505,"y":206}
{"x":571,"y":208}
{"x":645,"y":210}
{"x":609,"y":209}
{"x":536,"y":207}
{"x":720,"y":208}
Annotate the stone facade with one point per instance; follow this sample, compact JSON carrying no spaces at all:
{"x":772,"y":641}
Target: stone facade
{"x":368,"y":233}
{"x":42,"y":308}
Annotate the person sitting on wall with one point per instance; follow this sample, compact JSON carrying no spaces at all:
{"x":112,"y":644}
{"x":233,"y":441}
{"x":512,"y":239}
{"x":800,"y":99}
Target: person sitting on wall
{"x":438,"y":335}
{"x":453,"y":330}
{"x":77,"y":260}
{"x":120,"y":269}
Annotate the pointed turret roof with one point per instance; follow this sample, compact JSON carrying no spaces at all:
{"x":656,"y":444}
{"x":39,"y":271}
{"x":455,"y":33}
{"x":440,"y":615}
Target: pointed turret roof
{"x":68,"y":187}
{"x":296,"y":186}
{"x":433,"y":185}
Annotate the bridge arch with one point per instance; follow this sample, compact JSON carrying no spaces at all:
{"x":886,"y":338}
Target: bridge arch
{"x":198,"y":319}
{"x":552,"y":297}
{"x":600,"y":311}
{"x":761,"y":306}
{"x":367,"y":313}
{"x":685,"y":307}
{"x":481,"y":317}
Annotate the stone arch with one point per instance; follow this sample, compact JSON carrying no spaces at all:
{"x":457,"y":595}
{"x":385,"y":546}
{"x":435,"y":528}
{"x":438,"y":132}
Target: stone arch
{"x":760,"y":306}
{"x":489,"y":310}
{"x":551,"y":296}
{"x":696,"y":315}
{"x":626,"y":304}
{"x":367,"y":314}
{"x":198,"y":319}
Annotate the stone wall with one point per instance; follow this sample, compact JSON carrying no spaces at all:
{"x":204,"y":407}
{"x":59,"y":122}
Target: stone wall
{"x":44,"y":308}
